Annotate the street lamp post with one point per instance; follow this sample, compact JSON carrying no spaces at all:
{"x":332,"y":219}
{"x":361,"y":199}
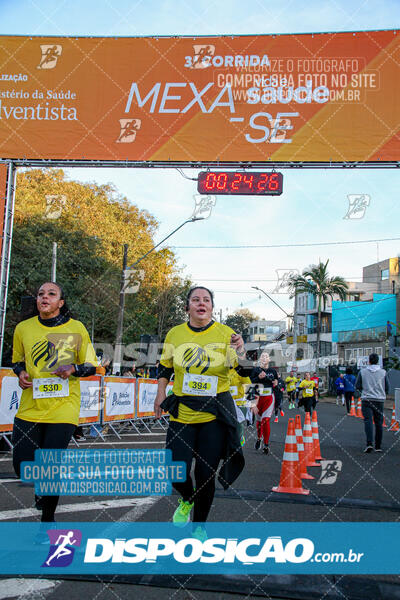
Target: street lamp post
{"x":272,"y":300}
{"x":202,"y":211}
{"x":120,"y":325}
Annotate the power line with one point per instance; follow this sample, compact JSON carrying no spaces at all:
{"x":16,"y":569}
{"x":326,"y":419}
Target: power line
{"x":347,"y":278}
{"x":296,"y":245}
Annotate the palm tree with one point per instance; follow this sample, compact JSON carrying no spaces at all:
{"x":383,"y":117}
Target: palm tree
{"x":316,"y":281}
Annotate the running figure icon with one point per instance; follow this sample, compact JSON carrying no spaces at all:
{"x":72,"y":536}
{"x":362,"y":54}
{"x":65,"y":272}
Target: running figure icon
{"x":62,"y":542}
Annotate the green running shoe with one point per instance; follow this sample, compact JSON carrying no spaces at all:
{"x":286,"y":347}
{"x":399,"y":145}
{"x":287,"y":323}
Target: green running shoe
{"x":182,"y":514}
{"x":200,"y":533}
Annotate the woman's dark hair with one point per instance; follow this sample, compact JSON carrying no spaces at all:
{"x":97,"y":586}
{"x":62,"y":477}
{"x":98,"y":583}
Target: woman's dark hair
{"x":198,"y":287}
{"x":27,"y":312}
{"x":349,"y":371}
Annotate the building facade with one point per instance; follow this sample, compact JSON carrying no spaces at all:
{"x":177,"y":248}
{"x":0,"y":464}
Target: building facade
{"x":353,"y":340}
{"x":362,"y":327}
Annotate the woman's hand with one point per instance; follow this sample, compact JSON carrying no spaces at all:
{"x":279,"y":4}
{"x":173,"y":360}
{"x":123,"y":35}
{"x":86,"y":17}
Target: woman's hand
{"x":160,"y":397}
{"x":24,"y":381}
{"x":237,"y":344}
{"x":64,"y":371}
{"x":254,"y":409}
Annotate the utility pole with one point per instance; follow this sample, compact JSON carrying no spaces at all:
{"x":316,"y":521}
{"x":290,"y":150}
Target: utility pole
{"x":120,"y":326}
{"x":54,"y":263}
{"x":202,"y":210}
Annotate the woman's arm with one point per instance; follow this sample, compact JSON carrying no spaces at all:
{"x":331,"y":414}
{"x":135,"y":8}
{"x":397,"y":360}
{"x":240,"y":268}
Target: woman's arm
{"x":160,"y":397}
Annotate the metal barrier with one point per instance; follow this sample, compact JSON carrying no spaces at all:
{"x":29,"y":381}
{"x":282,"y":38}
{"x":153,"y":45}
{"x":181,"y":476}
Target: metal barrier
{"x":105,"y":400}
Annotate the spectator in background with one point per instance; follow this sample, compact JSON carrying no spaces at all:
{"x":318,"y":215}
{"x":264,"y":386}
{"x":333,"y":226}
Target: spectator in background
{"x":339,"y":384}
{"x":127,"y":373}
{"x":349,"y":387}
{"x":373,"y":384}
{"x":153,"y":370}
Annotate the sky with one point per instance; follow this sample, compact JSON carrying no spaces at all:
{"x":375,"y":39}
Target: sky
{"x":314,"y":202}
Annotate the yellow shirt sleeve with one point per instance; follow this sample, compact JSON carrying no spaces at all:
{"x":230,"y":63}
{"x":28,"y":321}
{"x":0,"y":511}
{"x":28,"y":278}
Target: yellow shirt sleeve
{"x":18,"y":354}
{"x":86,"y":352}
{"x":167,"y":355}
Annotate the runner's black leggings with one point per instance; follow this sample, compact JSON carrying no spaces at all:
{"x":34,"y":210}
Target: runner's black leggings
{"x":204,"y":442}
{"x":28,"y":437}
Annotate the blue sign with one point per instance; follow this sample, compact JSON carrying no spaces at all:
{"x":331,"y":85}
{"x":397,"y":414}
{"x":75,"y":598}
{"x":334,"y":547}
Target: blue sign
{"x":223,"y":548}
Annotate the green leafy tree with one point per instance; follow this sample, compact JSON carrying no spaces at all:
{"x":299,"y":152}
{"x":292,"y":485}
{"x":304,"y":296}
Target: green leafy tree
{"x":90,"y":224}
{"x":315,"y":280}
{"x":240,"y":319}
{"x":170,"y":305}
{"x":88,"y":279}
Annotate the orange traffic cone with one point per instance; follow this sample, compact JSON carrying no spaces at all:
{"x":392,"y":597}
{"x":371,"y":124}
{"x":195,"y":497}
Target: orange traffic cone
{"x":352,"y":412}
{"x":394,"y":425}
{"x":359,"y":410}
{"x":290,"y":482}
{"x":308,"y":443}
{"x":300,"y":449}
{"x":315,"y":434}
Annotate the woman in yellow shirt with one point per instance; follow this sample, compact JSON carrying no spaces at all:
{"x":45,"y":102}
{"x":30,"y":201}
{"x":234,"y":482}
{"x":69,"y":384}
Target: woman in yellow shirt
{"x":50,"y":352}
{"x":307,"y":385}
{"x":238,"y":388}
{"x":203,"y":424}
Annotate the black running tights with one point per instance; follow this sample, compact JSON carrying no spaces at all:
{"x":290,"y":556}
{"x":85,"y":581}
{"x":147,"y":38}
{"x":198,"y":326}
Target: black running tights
{"x":204,"y":442}
{"x":28,"y":437}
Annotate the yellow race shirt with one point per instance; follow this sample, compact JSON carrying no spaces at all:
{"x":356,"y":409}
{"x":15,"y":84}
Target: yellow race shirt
{"x":308,"y":388}
{"x":44,"y":349}
{"x":290,"y":383}
{"x":201,"y":361}
{"x":237,"y":386}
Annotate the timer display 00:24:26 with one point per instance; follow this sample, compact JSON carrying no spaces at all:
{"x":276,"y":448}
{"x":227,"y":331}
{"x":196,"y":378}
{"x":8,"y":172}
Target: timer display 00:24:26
{"x":241,"y":183}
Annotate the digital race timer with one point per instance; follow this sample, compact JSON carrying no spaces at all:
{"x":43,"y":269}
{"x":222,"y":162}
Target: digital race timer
{"x":240,"y":182}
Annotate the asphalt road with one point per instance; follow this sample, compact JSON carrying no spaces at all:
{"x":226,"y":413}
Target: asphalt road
{"x":366,"y":489}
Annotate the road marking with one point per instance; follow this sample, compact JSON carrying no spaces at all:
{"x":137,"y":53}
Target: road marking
{"x":141,"y":434}
{"x":11,"y":480}
{"x":19,"y":588}
{"x":138,"y":506}
{"x":88,"y":437}
{"x":114,"y":443}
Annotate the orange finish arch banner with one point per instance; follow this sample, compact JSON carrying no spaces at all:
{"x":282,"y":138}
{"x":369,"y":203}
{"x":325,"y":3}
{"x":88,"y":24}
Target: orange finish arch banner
{"x":299,"y":97}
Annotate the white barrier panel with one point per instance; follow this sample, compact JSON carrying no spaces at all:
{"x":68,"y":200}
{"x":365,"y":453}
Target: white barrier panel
{"x":397,"y":404}
{"x":119,"y":394}
{"x":10,"y":397}
{"x":91,"y":403}
{"x":146,"y":395}
{"x":147,"y":390}
{"x":363,"y":361}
